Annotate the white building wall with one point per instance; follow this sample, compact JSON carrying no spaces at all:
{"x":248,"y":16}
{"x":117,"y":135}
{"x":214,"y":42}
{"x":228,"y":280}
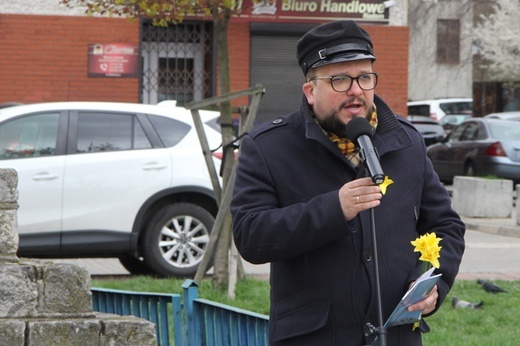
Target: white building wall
{"x":39,"y":7}
{"x":426,"y":78}
{"x":398,"y":12}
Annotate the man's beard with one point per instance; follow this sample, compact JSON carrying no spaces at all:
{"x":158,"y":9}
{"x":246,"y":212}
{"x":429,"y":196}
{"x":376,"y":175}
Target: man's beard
{"x":333,"y":124}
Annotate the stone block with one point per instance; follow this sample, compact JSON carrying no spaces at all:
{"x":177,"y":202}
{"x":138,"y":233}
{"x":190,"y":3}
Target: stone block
{"x":71,"y":332}
{"x":66,"y":289}
{"x":18,"y":291}
{"x":126,"y":331}
{"x":481,"y":197}
{"x":517,"y":207}
{"x":8,"y":218}
{"x":12,"y":332}
{"x":37,"y":288}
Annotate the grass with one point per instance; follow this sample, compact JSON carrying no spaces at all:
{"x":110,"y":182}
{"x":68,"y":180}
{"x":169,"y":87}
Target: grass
{"x":251,"y":294}
{"x":491,"y":176}
{"x":494,"y":324}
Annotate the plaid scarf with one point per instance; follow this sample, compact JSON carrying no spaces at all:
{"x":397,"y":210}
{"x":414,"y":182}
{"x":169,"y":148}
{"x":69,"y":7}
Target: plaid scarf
{"x":347,"y":147}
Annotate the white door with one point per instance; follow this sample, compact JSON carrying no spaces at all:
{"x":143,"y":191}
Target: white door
{"x":113,"y":173}
{"x":28,"y":145}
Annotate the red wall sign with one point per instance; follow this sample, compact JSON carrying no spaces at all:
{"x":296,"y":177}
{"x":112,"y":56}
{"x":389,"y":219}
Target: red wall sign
{"x":314,"y":10}
{"x":113,"y":60}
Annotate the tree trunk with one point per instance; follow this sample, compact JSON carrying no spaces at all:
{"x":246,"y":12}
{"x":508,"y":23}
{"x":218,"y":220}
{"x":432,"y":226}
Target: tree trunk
{"x":221,"y":21}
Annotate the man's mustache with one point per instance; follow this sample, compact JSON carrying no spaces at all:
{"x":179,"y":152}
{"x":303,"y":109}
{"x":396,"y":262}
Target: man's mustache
{"x":350,"y":101}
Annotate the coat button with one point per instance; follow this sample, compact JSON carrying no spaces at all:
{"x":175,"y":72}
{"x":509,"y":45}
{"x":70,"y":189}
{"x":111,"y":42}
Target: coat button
{"x":367,"y":256}
{"x":369,"y":329}
{"x":277,"y":121}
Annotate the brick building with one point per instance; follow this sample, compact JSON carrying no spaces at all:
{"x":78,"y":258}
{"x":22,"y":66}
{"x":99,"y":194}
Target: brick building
{"x":46,"y":53}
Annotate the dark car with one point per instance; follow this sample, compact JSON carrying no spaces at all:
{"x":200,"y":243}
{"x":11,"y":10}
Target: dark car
{"x":429,"y":128}
{"x":479,"y":147}
{"x":451,"y":120}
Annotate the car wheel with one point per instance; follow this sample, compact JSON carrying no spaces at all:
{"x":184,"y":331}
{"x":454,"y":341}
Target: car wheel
{"x":469,"y":170}
{"x":176,"y":239}
{"x":134,"y":265}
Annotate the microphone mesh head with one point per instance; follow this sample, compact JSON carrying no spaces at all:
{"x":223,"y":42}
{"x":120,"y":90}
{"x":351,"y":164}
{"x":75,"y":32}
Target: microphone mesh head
{"x":358,"y":127}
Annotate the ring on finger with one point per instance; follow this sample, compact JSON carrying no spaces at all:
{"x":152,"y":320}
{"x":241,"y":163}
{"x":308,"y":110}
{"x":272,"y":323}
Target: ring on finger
{"x":357,"y":200}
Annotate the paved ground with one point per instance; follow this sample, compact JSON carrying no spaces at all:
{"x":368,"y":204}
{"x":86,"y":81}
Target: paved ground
{"x":492,"y":249}
{"x":492,"y":252}
{"x":490,"y":256}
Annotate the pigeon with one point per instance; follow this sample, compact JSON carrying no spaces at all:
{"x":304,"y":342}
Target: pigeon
{"x":457,"y":303}
{"x":490,"y":287}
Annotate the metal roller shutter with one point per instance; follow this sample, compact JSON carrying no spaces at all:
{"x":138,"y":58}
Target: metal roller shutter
{"x":274,"y":65}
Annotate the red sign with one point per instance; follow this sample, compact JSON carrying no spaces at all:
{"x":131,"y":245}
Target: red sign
{"x":113,"y":60}
{"x":317,"y":10}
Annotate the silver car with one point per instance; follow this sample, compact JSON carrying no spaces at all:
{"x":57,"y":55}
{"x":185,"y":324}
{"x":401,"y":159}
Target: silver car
{"x":515,"y":115}
{"x":479,"y":147}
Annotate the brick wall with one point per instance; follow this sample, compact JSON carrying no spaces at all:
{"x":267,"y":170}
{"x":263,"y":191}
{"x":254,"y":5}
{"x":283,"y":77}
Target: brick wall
{"x":44,"y":58}
{"x":391,"y":49}
{"x":239,"y":51}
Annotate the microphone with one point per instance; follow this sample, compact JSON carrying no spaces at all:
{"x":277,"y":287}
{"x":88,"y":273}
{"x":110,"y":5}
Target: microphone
{"x":359,"y":131}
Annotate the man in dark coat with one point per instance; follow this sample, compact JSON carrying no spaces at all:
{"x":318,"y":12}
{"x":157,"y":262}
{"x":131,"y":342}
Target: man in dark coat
{"x":303,"y":200}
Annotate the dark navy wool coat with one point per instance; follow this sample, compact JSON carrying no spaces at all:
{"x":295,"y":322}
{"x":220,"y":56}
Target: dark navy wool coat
{"x":286,"y":211}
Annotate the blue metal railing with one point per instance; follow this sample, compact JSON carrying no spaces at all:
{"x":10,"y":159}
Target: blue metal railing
{"x":187,"y":320}
{"x":162,"y":309}
{"x":213,"y":323}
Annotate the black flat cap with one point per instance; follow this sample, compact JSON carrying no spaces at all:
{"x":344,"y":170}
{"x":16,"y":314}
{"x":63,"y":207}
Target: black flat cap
{"x":332,"y":43}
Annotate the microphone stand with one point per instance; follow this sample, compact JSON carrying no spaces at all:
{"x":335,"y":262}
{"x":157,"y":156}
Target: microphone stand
{"x":361,"y":133}
{"x":381,"y":330}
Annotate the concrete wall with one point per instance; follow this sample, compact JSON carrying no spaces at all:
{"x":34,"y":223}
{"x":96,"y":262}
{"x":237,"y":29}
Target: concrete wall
{"x":481,"y":197}
{"x":427,"y":79}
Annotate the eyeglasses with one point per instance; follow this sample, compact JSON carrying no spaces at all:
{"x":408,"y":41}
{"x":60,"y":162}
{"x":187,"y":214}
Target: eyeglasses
{"x":342,"y":82}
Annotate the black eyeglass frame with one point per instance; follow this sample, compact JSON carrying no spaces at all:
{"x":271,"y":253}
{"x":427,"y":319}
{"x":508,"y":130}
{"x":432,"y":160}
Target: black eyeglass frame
{"x":352,"y":79}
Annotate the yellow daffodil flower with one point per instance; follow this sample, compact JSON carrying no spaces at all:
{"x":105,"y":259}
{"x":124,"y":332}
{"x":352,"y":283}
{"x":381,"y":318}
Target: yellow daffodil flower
{"x":428,"y":246}
{"x":384,"y":184}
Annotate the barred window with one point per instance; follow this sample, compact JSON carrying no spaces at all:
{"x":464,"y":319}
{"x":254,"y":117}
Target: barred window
{"x":448,"y":41}
{"x":177,"y":62}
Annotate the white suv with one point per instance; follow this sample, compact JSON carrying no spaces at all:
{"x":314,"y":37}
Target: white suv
{"x":438,"y":108}
{"x":119,"y":180}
